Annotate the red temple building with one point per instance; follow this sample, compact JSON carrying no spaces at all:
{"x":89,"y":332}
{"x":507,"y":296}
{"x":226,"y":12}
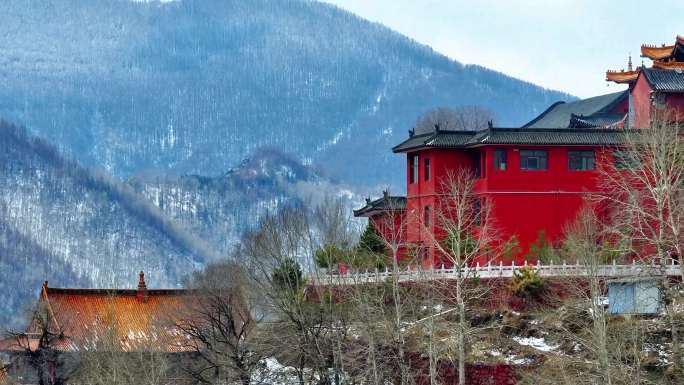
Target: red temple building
{"x":536,"y":177}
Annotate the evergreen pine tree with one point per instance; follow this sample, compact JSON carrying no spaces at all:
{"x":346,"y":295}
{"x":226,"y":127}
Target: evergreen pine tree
{"x":289,"y":276}
{"x":371,"y":240}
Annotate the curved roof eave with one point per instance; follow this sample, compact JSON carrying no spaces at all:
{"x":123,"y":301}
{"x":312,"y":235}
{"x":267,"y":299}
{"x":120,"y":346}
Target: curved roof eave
{"x":544,"y":113}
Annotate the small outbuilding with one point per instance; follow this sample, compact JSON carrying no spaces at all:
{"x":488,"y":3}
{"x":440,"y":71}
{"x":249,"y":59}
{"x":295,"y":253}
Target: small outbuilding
{"x":634,"y":296}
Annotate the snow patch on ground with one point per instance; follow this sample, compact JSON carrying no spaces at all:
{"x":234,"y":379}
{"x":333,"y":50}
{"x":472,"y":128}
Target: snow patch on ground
{"x":519,"y":361}
{"x":535,"y":342}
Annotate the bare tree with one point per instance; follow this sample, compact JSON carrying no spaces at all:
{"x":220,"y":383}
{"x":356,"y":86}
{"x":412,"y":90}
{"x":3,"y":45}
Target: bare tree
{"x":219,"y":318}
{"x":305,"y":318}
{"x":463,"y":236}
{"x":42,"y":346}
{"x":460,"y":234}
{"x":592,"y":355}
{"x":392,"y":226}
{"x":644,"y":191}
{"x":594,"y":347}
{"x":584,"y":240}
{"x":462,"y":118}
{"x":332,"y":223}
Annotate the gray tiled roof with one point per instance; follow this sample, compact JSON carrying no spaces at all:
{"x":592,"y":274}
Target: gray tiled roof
{"x":522,"y":136}
{"x":386,"y":203}
{"x":596,"y":120}
{"x":665,"y":80}
{"x":559,"y":114}
{"x":436,"y":139}
{"x":571,"y":136}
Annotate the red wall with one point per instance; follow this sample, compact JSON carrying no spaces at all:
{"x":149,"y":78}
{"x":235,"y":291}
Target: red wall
{"x":527,"y":202}
{"x":423,"y":193}
{"x":392,"y":228}
{"x":641,"y":95}
{"x":675,"y":105}
{"x":523,"y":202}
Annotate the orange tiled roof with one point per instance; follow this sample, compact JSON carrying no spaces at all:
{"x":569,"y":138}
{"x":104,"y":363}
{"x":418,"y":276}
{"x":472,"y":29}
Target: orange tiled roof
{"x":656,"y":53}
{"x":668,"y":65}
{"x":89,"y":317}
{"x":622,"y":76}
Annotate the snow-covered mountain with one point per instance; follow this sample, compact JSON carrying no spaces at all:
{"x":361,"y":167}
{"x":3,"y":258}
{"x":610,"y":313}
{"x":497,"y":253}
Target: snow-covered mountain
{"x":79,"y":228}
{"x":24,"y":266}
{"x":71,"y":226}
{"x":193,"y":86}
{"x":219,"y":210}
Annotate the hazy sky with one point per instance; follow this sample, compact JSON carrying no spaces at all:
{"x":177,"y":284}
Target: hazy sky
{"x":561,"y":44}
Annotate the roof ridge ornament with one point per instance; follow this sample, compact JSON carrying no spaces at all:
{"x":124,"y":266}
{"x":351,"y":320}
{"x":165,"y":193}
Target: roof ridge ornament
{"x":412,"y":132}
{"x":141,"y":295}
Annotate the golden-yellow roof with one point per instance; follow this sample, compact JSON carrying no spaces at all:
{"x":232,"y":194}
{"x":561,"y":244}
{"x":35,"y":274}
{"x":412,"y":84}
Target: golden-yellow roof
{"x":87,"y":317}
{"x":622,"y":76}
{"x":668,"y":65}
{"x":657,"y":53}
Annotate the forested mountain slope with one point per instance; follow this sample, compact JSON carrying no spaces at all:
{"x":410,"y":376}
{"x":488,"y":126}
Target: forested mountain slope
{"x":24,"y":266}
{"x":79,"y":228}
{"x":219,"y":210}
{"x":63,"y":223}
{"x":193,"y":86}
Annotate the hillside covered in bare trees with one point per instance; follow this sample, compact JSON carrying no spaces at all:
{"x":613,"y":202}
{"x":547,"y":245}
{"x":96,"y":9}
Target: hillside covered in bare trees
{"x":194,"y":87}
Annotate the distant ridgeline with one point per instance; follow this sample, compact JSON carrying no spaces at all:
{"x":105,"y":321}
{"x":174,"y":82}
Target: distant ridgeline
{"x":191,"y":87}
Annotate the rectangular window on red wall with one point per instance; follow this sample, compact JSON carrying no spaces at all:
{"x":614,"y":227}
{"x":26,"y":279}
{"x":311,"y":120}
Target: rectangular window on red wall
{"x":427,"y":169}
{"x":477,"y":211}
{"x":476,"y":160}
{"x":483,"y":165}
{"x":581,"y":160}
{"x":427,"y":216}
{"x":413,"y":169}
{"x":533,"y":160}
{"x":500,"y":159}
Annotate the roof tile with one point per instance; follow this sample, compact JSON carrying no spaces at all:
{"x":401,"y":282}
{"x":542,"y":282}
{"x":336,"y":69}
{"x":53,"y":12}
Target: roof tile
{"x":88,"y":316}
{"x":596,"y":120}
{"x":385,"y":203}
{"x":559,"y":114}
{"x":665,"y":80}
{"x":523,"y":136}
